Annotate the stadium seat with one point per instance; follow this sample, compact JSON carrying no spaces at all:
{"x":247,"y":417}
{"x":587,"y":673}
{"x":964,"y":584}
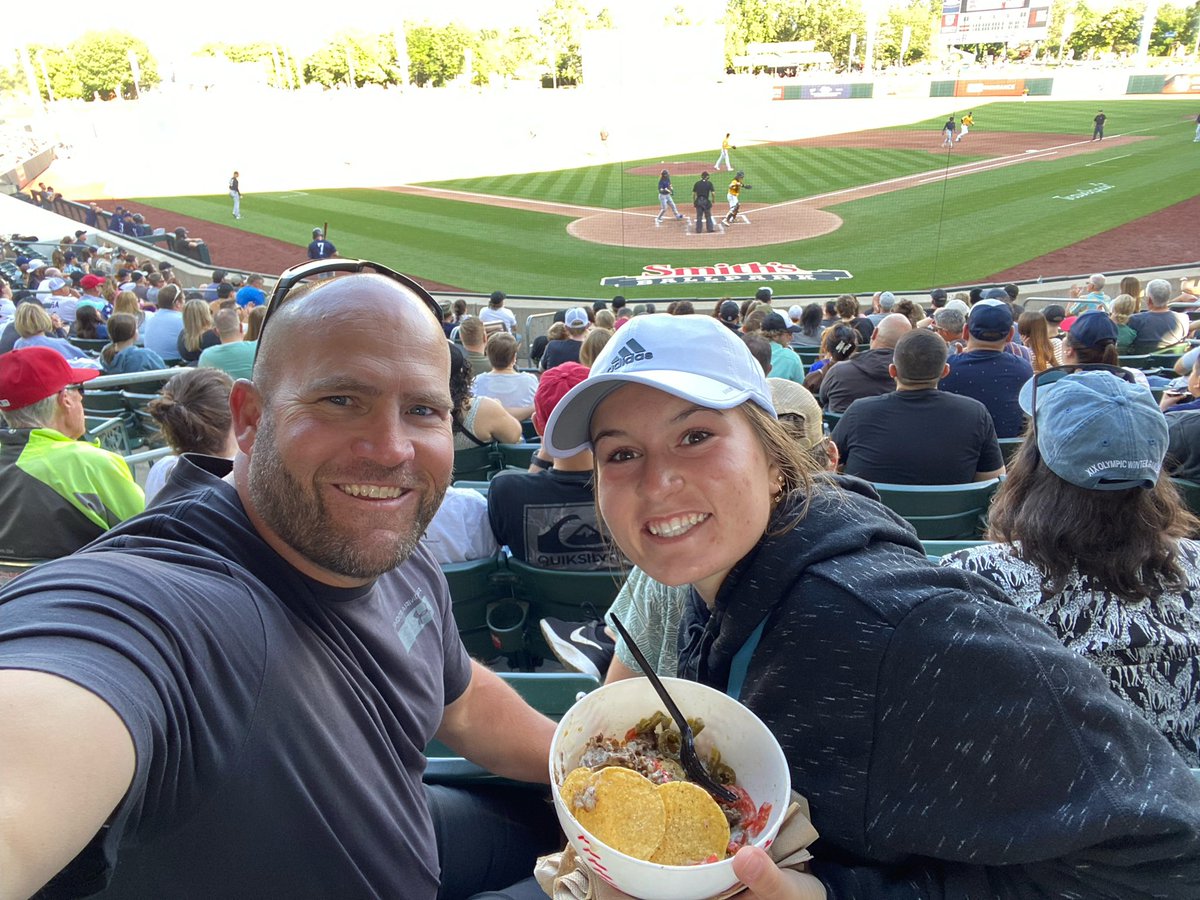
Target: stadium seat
{"x":473,"y":586}
{"x":147,"y":428}
{"x":528,"y":432}
{"x":109,"y":433}
{"x":88,"y":345}
{"x":941,"y":512}
{"x":935,"y":550}
{"x":517,"y":456}
{"x":476,"y":463}
{"x":1009,"y":447}
{"x":550,"y":693}
{"x":562,"y":595}
{"x":831,"y":419}
{"x":808,"y":357}
{"x":468,"y":485}
{"x":1148,"y":362}
{"x":1189,"y":493}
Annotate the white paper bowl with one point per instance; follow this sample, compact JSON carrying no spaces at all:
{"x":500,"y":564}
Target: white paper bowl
{"x":745,"y":744}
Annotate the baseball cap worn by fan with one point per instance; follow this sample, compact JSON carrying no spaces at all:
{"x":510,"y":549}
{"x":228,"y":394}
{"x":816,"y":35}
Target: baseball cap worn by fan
{"x":774,"y":322}
{"x":695,"y":358}
{"x":796,"y":400}
{"x":88,"y":282}
{"x":1098,"y":431}
{"x":575,"y":317}
{"x":1093,"y":329}
{"x":795,"y":312}
{"x":552,"y":387}
{"x":990,"y":320}
{"x":35,"y":373}
{"x":729,"y":311}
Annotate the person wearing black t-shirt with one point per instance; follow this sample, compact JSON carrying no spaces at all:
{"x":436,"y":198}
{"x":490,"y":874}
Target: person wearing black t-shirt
{"x":918,"y":434}
{"x":231,"y":694}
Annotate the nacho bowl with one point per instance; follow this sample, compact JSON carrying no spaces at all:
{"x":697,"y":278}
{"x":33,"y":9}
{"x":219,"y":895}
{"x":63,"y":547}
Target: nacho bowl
{"x":744,"y":742}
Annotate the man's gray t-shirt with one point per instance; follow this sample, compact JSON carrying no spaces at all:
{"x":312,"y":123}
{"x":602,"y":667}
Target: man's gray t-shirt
{"x":279,"y":724}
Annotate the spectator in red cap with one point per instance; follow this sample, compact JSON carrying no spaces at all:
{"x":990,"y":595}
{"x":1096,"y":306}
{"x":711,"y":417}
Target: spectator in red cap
{"x":548,"y":519}
{"x":57,"y":492}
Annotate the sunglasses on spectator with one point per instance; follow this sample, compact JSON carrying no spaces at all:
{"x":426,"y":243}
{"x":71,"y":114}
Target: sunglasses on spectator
{"x":1047,"y":377}
{"x":78,"y":388}
{"x":296,"y":275}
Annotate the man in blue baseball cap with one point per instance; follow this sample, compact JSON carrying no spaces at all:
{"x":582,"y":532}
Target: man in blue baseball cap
{"x":984,"y":371}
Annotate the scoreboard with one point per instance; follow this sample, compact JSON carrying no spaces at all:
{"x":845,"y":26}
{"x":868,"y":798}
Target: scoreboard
{"x":991,"y":21}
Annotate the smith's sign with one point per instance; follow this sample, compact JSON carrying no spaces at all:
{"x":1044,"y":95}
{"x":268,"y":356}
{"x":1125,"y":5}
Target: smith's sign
{"x":723,"y":272}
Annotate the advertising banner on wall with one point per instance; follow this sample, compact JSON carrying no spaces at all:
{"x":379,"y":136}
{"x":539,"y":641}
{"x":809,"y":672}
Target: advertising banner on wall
{"x":1182,"y":84}
{"x":719,"y":273}
{"x":988,"y":21}
{"x":989,"y":87}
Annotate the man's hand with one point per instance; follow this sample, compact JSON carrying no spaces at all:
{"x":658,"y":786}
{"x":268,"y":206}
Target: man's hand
{"x":766,"y":881}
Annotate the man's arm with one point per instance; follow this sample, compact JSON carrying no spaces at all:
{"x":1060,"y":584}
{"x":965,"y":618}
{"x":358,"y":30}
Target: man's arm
{"x":492,"y":726}
{"x":66,"y":760}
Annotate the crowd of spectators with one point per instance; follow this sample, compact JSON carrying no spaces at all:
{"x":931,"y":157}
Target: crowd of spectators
{"x":915,"y":393}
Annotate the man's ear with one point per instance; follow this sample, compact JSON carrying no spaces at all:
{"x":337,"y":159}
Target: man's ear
{"x":246,"y":405}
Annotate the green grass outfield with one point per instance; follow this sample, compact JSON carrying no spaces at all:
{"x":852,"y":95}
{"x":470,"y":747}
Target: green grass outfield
{"x":947,"y":232}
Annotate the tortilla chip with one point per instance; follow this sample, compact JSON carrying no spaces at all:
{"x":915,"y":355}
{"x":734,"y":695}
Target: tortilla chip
{"x":574,"y":784}
{"x":695,"y":829}
{"x":626,"y":811}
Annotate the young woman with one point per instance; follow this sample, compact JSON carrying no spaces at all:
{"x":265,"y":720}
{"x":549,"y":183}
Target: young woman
{"x":1127,"y":601}
{"x":123,"y":355}
{"x":38,"y":328}
{"x":947,"y":743}
{"x":476,"y":420}
{"x":198,"y":334}
{"x":193,"y":413}
{"x":89,"y":325}
{"x":1123,"y":307}
{"x":811,"y":328}
{"x":1035,"y":334}
{"x":514,"y":390}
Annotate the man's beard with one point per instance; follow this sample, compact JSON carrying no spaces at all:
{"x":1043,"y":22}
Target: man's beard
{"x":297,"y":513}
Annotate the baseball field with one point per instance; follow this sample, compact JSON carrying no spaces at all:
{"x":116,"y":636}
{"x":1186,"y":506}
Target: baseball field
{"x":1026,"y":190}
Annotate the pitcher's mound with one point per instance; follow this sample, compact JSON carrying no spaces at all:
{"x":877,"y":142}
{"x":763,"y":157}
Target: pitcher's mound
{"x":755,"y":226}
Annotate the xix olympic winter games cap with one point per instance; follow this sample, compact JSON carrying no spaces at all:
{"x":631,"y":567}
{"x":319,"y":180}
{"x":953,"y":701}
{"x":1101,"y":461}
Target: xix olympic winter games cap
{"x":1098,"y":431}
{"x":691,"y":357}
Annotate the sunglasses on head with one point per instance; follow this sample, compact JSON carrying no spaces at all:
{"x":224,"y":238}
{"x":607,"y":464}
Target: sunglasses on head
{"x":297,"y":275}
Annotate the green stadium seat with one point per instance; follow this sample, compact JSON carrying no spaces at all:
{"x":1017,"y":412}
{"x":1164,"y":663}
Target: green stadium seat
{"x":517,"y":456}
{"x":110,"y":433}
{"x":89,"y":345}
{"x":935,"y":550}
{"x":476,"y":463}
{"x":550,"y":693}
{"x":1009,"y":447}
{"x":1189,"y":493}
{"x":561,"y":595}
{"x":831,"y":419}
{"x":480,"y":486}
{"x":941,"y":512}
{"x":473,"y":586}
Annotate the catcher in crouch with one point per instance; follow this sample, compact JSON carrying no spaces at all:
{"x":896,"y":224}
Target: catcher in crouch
{"x":735,"y":196}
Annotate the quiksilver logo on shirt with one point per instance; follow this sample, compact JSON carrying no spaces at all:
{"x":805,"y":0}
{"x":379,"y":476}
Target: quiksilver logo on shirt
{"x":631,"y":351}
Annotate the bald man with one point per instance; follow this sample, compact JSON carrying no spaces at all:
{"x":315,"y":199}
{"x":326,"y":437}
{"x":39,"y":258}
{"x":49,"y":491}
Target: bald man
{"x":866,"y":374}
{"x":230,"y":695}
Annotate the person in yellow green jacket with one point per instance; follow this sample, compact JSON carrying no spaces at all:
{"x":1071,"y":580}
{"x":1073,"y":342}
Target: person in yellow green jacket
{"x":57,"y":492}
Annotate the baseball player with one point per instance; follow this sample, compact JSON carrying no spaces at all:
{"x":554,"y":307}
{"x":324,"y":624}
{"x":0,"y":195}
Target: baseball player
{"x":320,"y":248}
{"x":734,"y":196}
{"x":1196,"y":139}
{"x":724,"y":157}
{"x":1098,"y":126}
{"x":665,"y":199}
{"x":235,"y":194}
{"x":966,"y":122}
{"x":948,"y":132}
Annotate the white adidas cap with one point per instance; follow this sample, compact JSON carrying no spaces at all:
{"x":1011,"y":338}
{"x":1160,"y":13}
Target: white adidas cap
{"x":693,"y":357}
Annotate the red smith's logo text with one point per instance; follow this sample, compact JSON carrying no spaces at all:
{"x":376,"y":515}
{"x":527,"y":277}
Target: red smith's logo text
{"x":723,"y":272}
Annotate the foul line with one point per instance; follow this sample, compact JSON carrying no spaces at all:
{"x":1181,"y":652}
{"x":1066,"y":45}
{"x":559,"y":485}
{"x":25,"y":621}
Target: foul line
{"x":528,"y":201}
{"x":934,"y":175}
{"x":1110,"y":159}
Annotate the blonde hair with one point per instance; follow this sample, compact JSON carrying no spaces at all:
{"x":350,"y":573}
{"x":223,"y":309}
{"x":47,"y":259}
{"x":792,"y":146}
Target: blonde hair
{"x":1124,"y":306}
{"x":32,"y":319}
{"x":592,"y":345}
{"x":197,"y":319}
{"x":127,"y":302}
{"x":606,"y":319}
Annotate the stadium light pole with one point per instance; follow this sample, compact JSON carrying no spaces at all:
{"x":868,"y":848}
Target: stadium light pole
{"x":1149,"y":18}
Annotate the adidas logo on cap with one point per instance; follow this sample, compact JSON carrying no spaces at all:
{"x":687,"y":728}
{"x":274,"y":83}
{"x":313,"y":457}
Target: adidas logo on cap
{"x":631,"y":352}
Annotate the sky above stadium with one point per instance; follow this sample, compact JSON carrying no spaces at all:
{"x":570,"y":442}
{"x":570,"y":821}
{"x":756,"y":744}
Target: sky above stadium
{"x":236,"y":21}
